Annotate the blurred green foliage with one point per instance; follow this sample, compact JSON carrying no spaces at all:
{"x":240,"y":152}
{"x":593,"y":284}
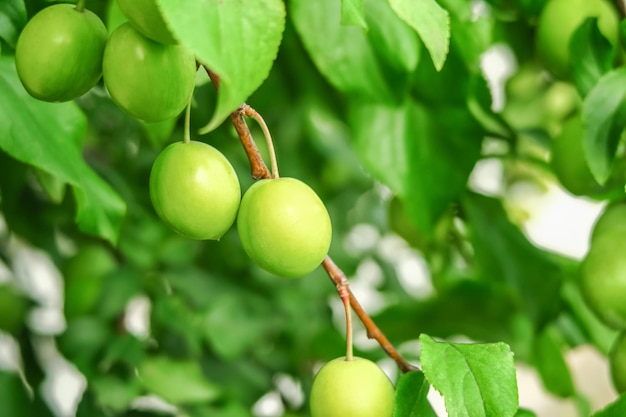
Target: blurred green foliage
{"x":388,"y":143}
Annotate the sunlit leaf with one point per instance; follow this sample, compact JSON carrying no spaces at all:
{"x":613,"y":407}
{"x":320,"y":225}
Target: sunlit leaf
{"x":352,"y":13}
{"x":411,"y":396}
{"x":431,"y":22}
{"x":475,"y":380}
{"x":238,"y":40}
{"x":603,"y":111}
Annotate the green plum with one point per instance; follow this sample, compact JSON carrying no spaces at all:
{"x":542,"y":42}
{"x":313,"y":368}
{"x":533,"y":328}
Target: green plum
{"x":58,"y":55}
{"x":603,"y":278}
{"x":284,"y":226}
{"x":146,"y":18}
{"x":351,"y":388}
{"x":613,"y":218}
{"x":560,"y":19}
{"x":568,"y":160}
{"x":149,"y":80}
{"x":195,"y":190}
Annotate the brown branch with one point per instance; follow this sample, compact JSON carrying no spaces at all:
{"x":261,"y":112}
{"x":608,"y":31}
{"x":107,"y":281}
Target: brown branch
{"x":621,"y":7}
{"x":257,"y":166}
{"x":373,"y":332}
{"x":259,"y":170}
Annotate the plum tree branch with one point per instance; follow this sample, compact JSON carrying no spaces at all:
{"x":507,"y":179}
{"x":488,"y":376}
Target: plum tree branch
{"x":621,"y":6}
{"x":259,"y":170}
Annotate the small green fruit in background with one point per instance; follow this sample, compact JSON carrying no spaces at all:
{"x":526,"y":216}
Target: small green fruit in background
{"x":149,"y":80}
{"x":84,"y":276}
{"x":284,"y":226}
{"x":59,"y":53}
{"x":617,"y":362}
{"x":603,"y":278}
{"x":146,"y":18}
{"x":568,"y":159}
{"x":612,"y":218}
{"x":560,"y":19}
{"x":195,"y":190}
{"x":347,"y":388}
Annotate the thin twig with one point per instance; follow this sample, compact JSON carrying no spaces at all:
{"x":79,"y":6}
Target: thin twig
{"x":259,"y":170}
{"x":373,"y":332}
{"x":621,"y":7}
{"x":250,"y":112}
{"x":343,"y":288}
{"x":187,"y":133}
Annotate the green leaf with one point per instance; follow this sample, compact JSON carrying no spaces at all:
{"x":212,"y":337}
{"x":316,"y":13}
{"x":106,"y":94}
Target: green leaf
{"x":522,"y":412}
{"x":603,"y":111}
{"x":504,"y":255}
{"x":113,"y":393}
{"x":12,"y":20}
{"x":238,"y":40}
{"x":471,"y":34}
{"x":352,"y":13}
{"x":230,"y":328}
{"x":398,"y":144}
{"x":411,"y":396}
{"x":395,"y":43}
{"x":176,"y":381}
{"x":476,"y":380}
{"x":616,"y":409}
{"x":341,"y":53}
{"x":14,"y":400}
{"x":46,"y":135}
{"x":594,"y":55}
{"x":431,"y":22}
{"x":550,"y":363}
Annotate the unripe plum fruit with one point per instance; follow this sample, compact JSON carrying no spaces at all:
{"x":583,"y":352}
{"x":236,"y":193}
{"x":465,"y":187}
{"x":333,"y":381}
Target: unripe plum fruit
{"x":58,"y":55}
{"x":149,"y":80}
{"x":195,"y":190}
{"x":603,"y":278}
{"x":146,"y":18}
{"x":568,"y":159}
{"x":284,"y":226}
{"x":558,"y":22}
{"x":351,"y":388}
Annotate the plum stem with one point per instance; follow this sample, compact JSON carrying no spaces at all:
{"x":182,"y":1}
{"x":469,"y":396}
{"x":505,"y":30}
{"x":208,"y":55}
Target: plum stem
{"x":187,"y":131}
{"x":250,"y":112}
{"x":258,"y":171}
{"x":343,"y":288}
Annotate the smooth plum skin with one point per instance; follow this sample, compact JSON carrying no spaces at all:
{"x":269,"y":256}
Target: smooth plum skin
{"x":568,"y":159}
{"x":149,"y":80}
{"x":613,"y":218}
{"x":195,"y":190}
{"x":355,"y":388}
{"x":603,"y":278}
{"x":558,"y":21}
{"x":146,"y":18}
{"x":284,"y":227}
{"x":58,"y":55}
